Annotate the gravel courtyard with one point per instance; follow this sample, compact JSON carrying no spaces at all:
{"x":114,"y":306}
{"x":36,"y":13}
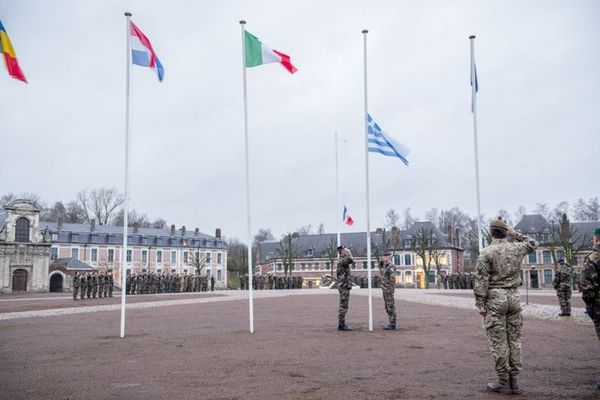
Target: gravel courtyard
{"x":197,"y":346}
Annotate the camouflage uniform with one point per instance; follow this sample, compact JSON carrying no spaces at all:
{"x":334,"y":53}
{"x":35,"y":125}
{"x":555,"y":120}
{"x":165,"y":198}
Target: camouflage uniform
{"x":562,"y":283}
{"x":83,"y":281}
{"x":498,"y":276}
{"x":76,"y":284}
{"x":590,"y":286}
{"x":344,"y":286}
{"x":90,"y":285}
{"x":388,"y":286}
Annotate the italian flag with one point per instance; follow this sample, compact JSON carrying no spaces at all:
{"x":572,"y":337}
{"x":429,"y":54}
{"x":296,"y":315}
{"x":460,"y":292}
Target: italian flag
{"x":258,"y":53}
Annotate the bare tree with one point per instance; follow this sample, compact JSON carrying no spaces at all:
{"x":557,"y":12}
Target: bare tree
{"x":391,"y":218}
{"x":197,"y":260}
{"x":133,"y":218}
{"x":75,"y":214}
{"x":544,"y":210}
{"x":321,"y":230}
{"x":505,"y":215}
{"x":305,"y":230}
{"x":159,"y":224}
{"x":58,"y":212}
{"x":564,"y":240}
{"x":288,"y":252}
{"x":425,"y":244}
{"x":587,"y":210}
{"x":331,"y":253}
{"x":10,"y":197}
{"x":100,"y":204}
{"x":408,"y":219}
{"x":520,"y":213}
{"x":237,"y":256}
{"x":560,"y":209}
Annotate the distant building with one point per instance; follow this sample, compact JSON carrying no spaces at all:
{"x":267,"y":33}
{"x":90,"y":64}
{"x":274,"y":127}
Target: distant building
{"x":313,"y":260}
{"x":539,"y":266}
{"x":38,"y":256}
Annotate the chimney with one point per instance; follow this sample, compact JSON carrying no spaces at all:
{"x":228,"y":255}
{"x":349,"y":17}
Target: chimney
{"x":92,"y":225}
{"x":60,"y":224}
{"x":457,"y":237}
{"x":172,"y":230}
{"x":395,"y":233}
{"x":218,"y":233}
{"x":183,"y":230}
{"x":136,"y":227}
{"x":564,"y":227}
{"x":196,"y":232}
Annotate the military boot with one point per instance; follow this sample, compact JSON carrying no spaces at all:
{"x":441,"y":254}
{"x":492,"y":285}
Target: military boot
{"x":563,"y":311}
{"x":390,"y":327}
{"x":501,"y":387}
{"x":514,"y":386}
{"x":568,"y":310}
{"x":343,"y":327}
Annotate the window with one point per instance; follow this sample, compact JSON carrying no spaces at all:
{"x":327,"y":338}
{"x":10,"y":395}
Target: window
{"x":129,"y":255}
{"x":75,"y":254}
{"x":309,"y":253}
{"x":547,"y":276}
{"x":408,"y":242}
{"x":408,"y":277}
{"x":407,"y":259}
{"x":219,"y":275}
{"x":208,"y":257}
{"x":302,"y":266}
{"x":185,"y":257}
{"x":111,"y":255}
{"x":54,"y":254}
{"x":279,"y":267}
{"x":431,"y":276}
{"x":22,"y":231}
{"x":547,"y":257}
{"x":396,"y":260}
{"x":208,"y":273}
{"x":560,"y":254}
{"x":94,"y":255}
{"x":144,"y":256}
{"x":219,"y":257}
{"x":532,"y":258}
{"x":293,"y":267}
{"x":173,"y":257}
{"x":54,"y":237}
{"x":159,"y":256}
{"x":365,"y":265}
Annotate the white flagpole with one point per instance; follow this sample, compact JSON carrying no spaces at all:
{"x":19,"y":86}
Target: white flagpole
{"x":127,"y":151}
{"x":337,"y":193}
{"x":250,"y":272}
{"x":367,"y":185}
{"x":474,"y":111}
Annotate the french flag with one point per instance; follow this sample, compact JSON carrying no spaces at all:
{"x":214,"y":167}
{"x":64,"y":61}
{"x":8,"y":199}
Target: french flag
{"x":142,"y":52}
{"x":347,"y":218}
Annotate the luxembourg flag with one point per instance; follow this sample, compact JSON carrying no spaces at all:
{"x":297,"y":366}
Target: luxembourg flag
{"x":347,"y":218}
{"x":142,"y":52}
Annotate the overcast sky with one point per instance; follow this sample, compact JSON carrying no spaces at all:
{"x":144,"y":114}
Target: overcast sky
{"x":538,"y":106}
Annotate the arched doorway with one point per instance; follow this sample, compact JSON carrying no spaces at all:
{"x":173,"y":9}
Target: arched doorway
{"x":56,"y":283}
{"x":19,"y":281}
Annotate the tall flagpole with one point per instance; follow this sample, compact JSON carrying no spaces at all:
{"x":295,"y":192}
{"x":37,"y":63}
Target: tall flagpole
{"x":250,"y":272}
{"x":474,"y":111}
{"x":337,"y":193}
{"x":367,"y":185}
{"x":127,"y":151}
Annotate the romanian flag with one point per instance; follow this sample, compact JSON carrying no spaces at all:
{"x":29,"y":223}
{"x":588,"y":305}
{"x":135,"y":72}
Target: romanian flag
{"x":9,"y":56}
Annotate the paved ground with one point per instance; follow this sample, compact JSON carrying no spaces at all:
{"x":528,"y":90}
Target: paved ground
{"x":198,"y":347}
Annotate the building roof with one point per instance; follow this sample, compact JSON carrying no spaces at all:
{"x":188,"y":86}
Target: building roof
{"x":537,"y":226}
{"x":317,"y":246}
{"x":72,"y":263}
{"x":109,"y":234}
{"x":531,"y":224}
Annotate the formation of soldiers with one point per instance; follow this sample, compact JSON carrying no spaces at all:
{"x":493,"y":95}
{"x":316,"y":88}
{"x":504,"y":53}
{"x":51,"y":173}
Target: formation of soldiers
{"x":93,"y":285}
{"x":173,"y":282}
{"x":272,"y":282}
{"x":460,"y":280}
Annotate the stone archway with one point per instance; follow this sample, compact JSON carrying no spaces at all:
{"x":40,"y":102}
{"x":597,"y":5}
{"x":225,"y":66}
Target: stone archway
{"x":19,"y":280}
{"x":57,"y":283}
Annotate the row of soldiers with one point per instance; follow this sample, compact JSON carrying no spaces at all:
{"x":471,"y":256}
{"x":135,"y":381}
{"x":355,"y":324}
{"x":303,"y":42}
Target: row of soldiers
{"x":272,"y":282}
{"x":460,"y":280}
{"x":92,"y":285}
{"x":151,"y":282}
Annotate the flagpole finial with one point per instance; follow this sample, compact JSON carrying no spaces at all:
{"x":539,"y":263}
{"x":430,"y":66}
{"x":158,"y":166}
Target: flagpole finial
{"x":472,"y":37}
{"x":127,"y":14}
{"x":242,"y":22}
{"x":365,"y":31}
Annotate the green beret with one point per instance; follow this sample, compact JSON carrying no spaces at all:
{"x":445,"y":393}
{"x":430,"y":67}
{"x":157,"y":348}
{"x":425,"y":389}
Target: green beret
{"x":597,"y":231}
{"x":498,"y":224}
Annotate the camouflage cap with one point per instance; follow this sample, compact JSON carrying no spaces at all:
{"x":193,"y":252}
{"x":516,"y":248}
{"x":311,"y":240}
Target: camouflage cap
{"x":597,"y":231}
{"x":499,"y":223}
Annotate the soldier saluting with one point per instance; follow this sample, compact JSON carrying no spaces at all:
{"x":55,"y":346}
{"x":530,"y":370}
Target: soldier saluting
{"x":590,"y":283}
{"x":344,"y":285}
{"x":388,"y":285}
{"x":498,"y":301}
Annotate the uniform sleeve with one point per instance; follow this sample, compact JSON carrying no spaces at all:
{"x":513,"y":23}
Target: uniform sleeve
{"x":482,"y":280}
{"x":526,"y":244}
{"x":588,"y":281}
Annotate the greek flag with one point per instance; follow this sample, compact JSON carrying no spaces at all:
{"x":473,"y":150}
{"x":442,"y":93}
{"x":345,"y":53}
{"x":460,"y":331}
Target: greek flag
{"x":380,"y":143}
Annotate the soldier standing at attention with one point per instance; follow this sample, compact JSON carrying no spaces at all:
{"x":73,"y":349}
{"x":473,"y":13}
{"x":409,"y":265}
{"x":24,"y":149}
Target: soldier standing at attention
{"x":589,"y":283}
{"x":83,"y":282}
{"x":212,"y":283}
{"x":562,"y":283}
{"x":100,"y":285}
{"x":497,"y":299}
{"x":344,"y":285}
{"x":111,"y":284}
{"x":76,"y":284}
{"x":90,"y":285}
{"x":388,"y":285}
